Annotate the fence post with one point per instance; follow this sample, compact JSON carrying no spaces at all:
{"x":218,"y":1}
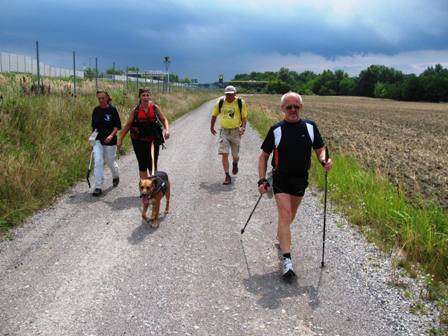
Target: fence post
{"x":74,"y":75}
{"x":96,"y":73}
{"x":38,"y":68}
{"x":127,"y":79}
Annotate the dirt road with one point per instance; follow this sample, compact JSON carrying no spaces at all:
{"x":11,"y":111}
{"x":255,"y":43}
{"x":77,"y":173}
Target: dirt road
{"x":90,"y":266}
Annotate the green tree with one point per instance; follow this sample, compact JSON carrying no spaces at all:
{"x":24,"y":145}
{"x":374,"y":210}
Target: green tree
{"x":387,"y":90}
{"x":174,"y":77}
{"x":347,"y":86}
{"x":113,"y":71}
{"x":277,"y":86}
{"x":325,"y":84}
{"x":411,"y":88}
{"x":284,"y":75}
{"x":89,"y":73}
{"x":373,"y":74}
{"x":434,"y":81}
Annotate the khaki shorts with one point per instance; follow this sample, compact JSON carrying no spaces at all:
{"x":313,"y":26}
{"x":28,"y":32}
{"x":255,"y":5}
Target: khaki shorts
{"x":229,"y":138}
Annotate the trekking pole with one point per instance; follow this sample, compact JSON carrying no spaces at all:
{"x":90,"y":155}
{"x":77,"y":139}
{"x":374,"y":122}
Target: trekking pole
{"x":88,"y":170}
{"x":259,"y":198}
{"x":92,"y":139}
{"x":152,"y":159}
{"x":327,"y":156}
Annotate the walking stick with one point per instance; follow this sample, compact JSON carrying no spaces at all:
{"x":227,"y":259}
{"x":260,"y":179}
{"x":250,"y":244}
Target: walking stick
{"x":327,"y":156}
{"x":90,"y":165}
{"x":259,"y":198}
{"x":92,"y":139}
{"x":153,"y":170}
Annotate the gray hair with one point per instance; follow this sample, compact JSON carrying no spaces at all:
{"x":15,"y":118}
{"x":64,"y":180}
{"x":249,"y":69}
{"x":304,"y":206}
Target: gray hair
{"x":292,"y":94}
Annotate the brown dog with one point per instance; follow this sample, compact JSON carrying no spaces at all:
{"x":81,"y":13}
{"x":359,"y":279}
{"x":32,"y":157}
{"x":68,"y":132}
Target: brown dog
{"x":152,"y":191}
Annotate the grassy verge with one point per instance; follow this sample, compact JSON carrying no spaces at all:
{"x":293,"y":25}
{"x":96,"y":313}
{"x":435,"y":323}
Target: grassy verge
{"x":387,"y":218}
{"x":43,"y":142}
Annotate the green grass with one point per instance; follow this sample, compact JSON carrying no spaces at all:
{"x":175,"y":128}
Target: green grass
{"x":385,"y":215}
{"x":420,"y":229}
{"x":43,"y":143}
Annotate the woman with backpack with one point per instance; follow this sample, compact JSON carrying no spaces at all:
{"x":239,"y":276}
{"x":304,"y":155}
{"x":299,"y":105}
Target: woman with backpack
{"x":148,"y":126}
{"x":106,"y":121}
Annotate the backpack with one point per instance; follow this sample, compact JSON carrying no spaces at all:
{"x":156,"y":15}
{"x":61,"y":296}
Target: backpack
{"x":240,"y":105}
{"x":155,"y":126}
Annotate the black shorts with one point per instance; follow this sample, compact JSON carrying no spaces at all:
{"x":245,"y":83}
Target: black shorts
{"x":292,"y":185}
{"x":142,"y":151}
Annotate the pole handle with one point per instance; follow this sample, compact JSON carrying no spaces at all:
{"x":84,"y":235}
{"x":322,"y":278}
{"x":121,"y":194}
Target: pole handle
{"x":327,"y":156}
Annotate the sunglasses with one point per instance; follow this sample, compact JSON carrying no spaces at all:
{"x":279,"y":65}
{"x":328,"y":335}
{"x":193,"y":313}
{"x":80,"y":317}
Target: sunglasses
{"x":290,"y":107}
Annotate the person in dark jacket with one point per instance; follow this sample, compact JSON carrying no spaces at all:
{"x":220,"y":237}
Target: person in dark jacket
{"x":291,"y":141}
{"x":148,"y":126}
{"x":106,"y":121}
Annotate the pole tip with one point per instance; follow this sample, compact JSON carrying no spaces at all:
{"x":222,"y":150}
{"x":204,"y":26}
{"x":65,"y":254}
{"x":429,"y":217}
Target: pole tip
{"x":242,"y":231}
{"x":322,"y":265}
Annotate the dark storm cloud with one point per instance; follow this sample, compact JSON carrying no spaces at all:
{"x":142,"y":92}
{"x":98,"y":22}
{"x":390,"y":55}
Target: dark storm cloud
{"x":207,"y":38}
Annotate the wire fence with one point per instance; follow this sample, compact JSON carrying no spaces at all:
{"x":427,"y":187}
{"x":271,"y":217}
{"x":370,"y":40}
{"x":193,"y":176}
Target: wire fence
{"x":157,"y":80}
{"x":26,"y":64}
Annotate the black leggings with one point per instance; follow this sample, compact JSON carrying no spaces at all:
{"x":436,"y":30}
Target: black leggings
{"x":142,"y":150}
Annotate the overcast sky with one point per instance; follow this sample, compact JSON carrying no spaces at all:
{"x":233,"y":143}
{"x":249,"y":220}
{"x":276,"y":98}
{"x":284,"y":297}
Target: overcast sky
{"x":208,"y":38}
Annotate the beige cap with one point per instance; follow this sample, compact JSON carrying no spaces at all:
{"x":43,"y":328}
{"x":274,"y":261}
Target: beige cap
{"x":229,"y":89}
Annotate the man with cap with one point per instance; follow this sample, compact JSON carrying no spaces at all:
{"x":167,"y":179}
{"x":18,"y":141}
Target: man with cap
{"x":233,"y":111}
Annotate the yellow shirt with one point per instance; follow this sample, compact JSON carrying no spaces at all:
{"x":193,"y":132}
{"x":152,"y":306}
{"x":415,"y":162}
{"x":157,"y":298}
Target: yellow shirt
{"x":230,"y":113}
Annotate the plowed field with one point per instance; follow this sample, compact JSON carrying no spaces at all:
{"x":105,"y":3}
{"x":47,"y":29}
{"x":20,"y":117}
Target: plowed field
{"x":405,"y":141}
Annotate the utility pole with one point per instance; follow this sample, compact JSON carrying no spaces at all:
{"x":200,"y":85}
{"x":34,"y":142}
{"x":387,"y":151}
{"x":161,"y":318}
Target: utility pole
{"x":167,"y":61}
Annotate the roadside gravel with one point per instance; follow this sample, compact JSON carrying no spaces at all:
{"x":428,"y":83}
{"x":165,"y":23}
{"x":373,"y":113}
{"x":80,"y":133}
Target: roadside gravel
{"x":89,"y":266}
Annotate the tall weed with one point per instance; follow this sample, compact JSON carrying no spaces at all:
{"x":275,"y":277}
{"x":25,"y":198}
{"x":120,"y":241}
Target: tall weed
{"x":43,"y":142}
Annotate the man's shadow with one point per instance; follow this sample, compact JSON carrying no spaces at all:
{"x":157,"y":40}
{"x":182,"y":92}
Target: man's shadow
{"x":273,"y":289}
{"x":217,"y":187}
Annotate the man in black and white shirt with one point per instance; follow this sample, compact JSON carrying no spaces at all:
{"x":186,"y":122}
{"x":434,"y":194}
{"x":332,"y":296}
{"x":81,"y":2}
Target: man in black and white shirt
{"x":291,"y":141}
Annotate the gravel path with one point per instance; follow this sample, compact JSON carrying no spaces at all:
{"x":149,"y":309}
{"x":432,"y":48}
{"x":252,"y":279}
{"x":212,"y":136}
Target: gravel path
{"x":90,"y":266}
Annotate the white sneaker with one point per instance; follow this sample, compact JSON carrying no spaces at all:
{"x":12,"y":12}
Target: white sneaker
{"x":287,"y":270}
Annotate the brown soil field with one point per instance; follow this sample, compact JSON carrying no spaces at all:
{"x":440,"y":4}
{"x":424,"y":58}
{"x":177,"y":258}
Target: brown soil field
{"x":405,"y":141}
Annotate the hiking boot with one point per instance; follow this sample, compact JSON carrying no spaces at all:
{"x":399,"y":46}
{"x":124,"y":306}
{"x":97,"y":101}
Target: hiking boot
{"x":115,"y":181}
{"x":287,"y":270}
{"x":97,"y":192}
{"x":235,"y":168}
{"x":227,"y":180}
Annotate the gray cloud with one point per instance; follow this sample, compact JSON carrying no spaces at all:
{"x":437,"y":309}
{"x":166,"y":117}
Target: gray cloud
{"x":207,"y":38}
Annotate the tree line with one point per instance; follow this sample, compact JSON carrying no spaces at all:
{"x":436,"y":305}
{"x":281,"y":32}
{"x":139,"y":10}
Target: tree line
{"x":376,"y":81}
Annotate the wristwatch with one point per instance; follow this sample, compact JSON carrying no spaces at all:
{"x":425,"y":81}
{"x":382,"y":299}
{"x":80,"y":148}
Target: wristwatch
{"x":261,"y":181}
